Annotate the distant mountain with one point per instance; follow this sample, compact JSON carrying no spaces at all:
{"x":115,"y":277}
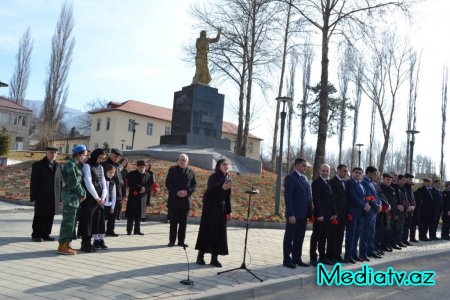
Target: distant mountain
{"x":72,"y":117}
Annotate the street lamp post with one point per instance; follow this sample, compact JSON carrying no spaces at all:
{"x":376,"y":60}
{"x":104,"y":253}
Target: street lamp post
{"x":411,"y":148}
{"x":134,"y":132}
{"x":123,"y":141}
{"x":283,"y":100}
{"x":359,"y":153}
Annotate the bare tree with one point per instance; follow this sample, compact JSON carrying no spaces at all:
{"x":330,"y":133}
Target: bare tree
{"x":93,"y":105}
{"x":414,"y":68}
{"x":388,"y":71}
{"x":344,"y":76}
{"x":306,"y":57}
{"x":19,"y":81}
{"x":358,"y":77}
{"x":56,"y":87}
{"x":331,"y":17}
{"x":444,"y":118}
{"x":290,"y":86}
{"x":372,"y":134}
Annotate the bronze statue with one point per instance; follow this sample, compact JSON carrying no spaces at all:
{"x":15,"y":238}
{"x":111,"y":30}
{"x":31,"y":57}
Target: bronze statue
{"x":202,"y":74}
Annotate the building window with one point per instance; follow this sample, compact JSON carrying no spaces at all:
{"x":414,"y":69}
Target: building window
{"x":250,"y":147}
{"x":149,"y":128}
{"x":108,"y":123}
{"x":4,"y":117}
{"x":130,"y":124}
{"x":17,"y":120}
{"x":24,"y":121}
{"x":99,"y":122}
{"x":167,"y":130}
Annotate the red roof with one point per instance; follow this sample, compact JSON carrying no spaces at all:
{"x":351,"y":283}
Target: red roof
{"x":4,"y":102}
{"x":157,"y":112}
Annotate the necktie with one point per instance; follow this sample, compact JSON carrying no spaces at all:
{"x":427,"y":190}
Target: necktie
{"x":343,"y":184}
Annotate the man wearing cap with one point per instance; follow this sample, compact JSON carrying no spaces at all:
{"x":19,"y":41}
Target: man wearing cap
{"x":446,"y":212}
{"x":437,"y":204}
{"x":45,"y":192}
{"x":410,"y":223}
{"x":424,"y":200}
{"x":138,"y":182}
{"x":72,"y":194}
{"x":402,"y":206}
{"x":113,"y":159}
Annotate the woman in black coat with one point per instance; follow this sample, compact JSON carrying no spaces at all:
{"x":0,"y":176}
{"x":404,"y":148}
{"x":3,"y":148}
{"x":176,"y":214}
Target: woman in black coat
{"x":212,"y":235}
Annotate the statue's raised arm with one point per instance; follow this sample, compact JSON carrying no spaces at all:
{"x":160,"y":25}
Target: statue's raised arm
{"x":202,"y":74}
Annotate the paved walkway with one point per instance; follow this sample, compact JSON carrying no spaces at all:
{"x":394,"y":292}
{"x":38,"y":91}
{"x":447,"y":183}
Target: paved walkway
{"x":143,"y":267}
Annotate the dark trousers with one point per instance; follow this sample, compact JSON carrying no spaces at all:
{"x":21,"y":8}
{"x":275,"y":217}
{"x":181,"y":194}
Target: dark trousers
{"x":379,"y":229}
{"x":118,"y":210}
{"x":445,"y":225}
{"x":400,"y":227}
{"x":352,"y":233}
{"x":335,"y":238}
{"x":137,"y":224}
{"x":367,"y":239}
{"x":293,"y":240}
{"x":424,"y":227}
{"x":110,"y":220}
{"x":42,"y":226}
{"x":318,"y":239}
{"x":178,"y":223}
{"x":415,"y":221}
{"x":98,"y":220}
{"x":406,"y":227}
{"x":434,"y":224}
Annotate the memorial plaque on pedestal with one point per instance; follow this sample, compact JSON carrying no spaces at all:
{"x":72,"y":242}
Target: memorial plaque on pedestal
{"x":197,"y":118}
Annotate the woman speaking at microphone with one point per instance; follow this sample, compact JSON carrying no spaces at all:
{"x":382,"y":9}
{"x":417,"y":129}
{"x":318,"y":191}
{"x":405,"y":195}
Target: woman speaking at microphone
{"x":212,"y":235}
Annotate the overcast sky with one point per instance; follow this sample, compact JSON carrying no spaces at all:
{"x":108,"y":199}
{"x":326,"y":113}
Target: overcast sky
{"x":133,"y":50}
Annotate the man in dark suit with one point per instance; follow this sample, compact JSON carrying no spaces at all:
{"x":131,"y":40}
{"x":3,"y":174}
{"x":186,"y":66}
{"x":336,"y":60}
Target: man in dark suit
{"x":297,"y":196}
{"x":424,"y":199}
{"x":367,"y":240}
{"x":437,"y":204}
{"x":356,"y":207}
{"x":446,"y":212}
{"x":323,"y":210}
{"x":181,"y":183}
{"x":388,"y":242}
{"x":335,"y":235}
{"x":45,"y":191}
{"x":411,"y":220}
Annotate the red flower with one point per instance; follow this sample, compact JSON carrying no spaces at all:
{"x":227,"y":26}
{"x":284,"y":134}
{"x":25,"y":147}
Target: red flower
{"x":370,"y":198}
{"x":312,"y":219}
{"x":334,"y":222}
{"x":135,"y":193}
{"x":384,"y":208}
{"x":349,"y":217}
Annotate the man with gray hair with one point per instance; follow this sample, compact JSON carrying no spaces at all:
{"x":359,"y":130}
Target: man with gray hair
{"x":181,"y":183}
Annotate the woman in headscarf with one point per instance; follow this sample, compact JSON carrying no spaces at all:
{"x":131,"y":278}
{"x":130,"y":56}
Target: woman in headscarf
{"x":92,"y":214}
{"x":212,"y":235}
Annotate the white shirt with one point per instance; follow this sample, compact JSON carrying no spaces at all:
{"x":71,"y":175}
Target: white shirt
{"x":87,"y":177}
{"x":110,"y":201}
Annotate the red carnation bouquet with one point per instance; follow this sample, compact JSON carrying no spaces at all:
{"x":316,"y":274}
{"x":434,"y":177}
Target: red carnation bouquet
{"x":155,"y":188}
{"x":384,"y":208}
{"x":334,"y":222}
{"x":312,"y":219}
{"x":349,"y":217}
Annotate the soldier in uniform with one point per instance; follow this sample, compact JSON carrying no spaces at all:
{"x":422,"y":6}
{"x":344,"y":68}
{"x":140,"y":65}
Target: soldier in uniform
{"x":72,"y":194}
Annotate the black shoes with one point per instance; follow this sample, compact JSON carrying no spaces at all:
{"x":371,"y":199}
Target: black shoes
{"x":182,"y":245}
{"x":407,"y":243}
{"x":350,"y":261}
{"x":171,"y":244}
{"x":289,"y":264}
{"x":96,"y":244}
{"x":300,"y":263}
{"x":374,"y":255}
{"x":339,"y":259}
{"x":200,"y":260}
{"x":37,"y":240}
{"x":48,"y":239}
{"x":102,"y":245}
{"x":215,"y":263}
{"x":414,"y":240}
{"x":365,"y":258}
{"x":113,"y":234}
{"x":87,"y":248}
{"x":313,"y":263}
{"x":138,"y":233}
{"x":358,"y":259}
{"x":396,"y":247}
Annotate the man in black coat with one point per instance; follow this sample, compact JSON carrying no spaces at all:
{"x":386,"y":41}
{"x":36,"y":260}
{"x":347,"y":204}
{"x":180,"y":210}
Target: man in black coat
{"x":181,"y":183}
{"x":437,"y":204}
{"x":424,"y":198}
{"x":446,"y":212}
{"x":45,"y":192}
{"x":322,"y":196}
{"x":388,"y":235}
{"x":138,"y":184}
{"x":113,"y":159}
{"x":336,"y":230}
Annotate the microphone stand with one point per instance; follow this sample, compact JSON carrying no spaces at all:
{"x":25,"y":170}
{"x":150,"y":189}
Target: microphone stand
{"x":244,"y":265}
{"x":187,"y":281}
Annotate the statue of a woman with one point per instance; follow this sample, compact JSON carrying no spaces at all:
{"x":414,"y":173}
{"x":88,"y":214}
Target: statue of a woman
{"x":202,"y":74}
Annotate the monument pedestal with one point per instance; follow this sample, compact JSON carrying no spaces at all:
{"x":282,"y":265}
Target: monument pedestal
{"x":197,"y":118}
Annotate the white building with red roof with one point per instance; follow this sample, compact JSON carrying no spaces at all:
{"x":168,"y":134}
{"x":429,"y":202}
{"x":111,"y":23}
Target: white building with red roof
{"x":15,"y":119}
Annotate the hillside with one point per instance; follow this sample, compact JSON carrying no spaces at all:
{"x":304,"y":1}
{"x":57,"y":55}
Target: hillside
{"x":15,"y":181}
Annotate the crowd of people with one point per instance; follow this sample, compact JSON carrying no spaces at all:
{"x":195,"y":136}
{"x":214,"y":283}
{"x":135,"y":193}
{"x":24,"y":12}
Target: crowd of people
{"x":375,"y":215}
{"x":91,"y":189}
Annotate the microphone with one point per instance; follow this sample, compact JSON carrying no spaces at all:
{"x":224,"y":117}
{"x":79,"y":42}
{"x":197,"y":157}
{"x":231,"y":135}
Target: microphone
{"x":187,"y":281}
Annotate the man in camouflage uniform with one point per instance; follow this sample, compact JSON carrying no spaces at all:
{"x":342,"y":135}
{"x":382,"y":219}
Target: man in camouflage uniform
{"x":72,"y":194}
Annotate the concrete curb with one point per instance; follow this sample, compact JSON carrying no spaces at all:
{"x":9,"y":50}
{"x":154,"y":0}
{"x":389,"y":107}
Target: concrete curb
{"x":256,"y":290}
